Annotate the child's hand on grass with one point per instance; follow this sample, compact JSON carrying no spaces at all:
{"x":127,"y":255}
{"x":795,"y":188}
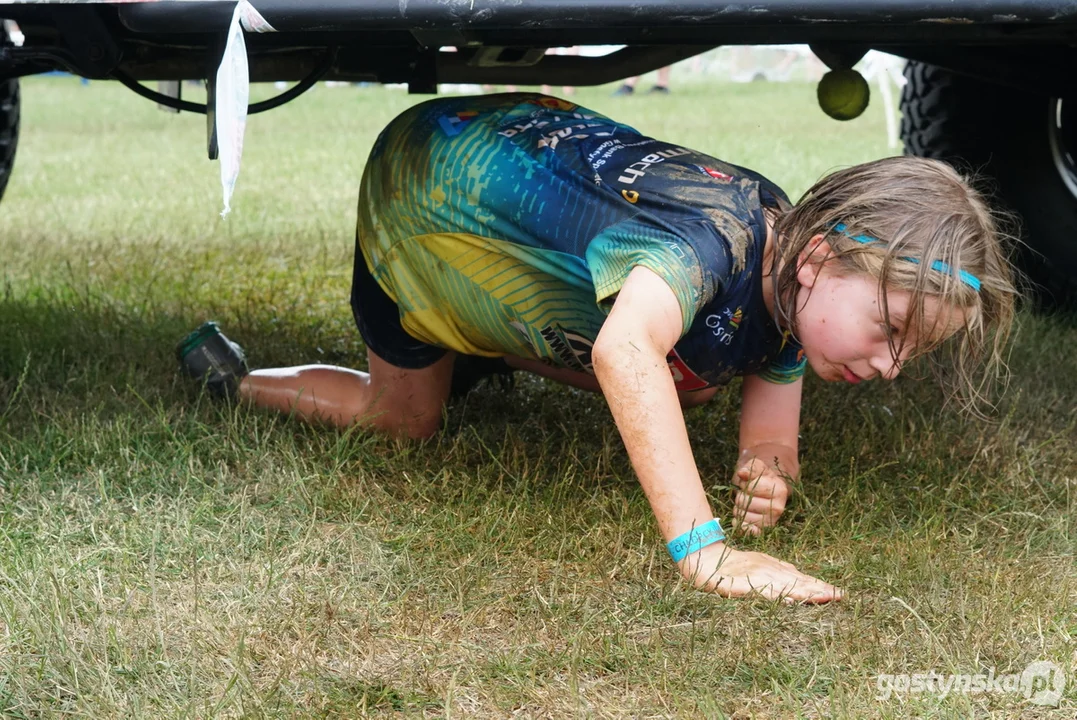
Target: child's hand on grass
{"x":760,"y":498}
{"x":733,"y":573}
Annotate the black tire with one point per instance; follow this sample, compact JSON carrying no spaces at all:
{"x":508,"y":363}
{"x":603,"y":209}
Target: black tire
{"x":9,"y":129}
{"x":1019,"y":142}
{"x":9,"y":123}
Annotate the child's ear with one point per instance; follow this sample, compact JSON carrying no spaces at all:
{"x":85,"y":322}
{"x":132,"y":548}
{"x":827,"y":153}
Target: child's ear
{"x":811,"y":260}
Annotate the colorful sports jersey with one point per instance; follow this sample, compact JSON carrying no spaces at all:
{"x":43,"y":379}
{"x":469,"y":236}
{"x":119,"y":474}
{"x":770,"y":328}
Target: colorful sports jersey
{"x":506,"y":225}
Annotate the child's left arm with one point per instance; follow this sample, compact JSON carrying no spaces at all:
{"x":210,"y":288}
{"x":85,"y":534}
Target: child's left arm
{"x":769,"y":426}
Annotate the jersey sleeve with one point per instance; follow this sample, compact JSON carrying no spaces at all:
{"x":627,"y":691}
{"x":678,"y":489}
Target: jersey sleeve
{"x":788,"y":366}
{"x":617,"y":250}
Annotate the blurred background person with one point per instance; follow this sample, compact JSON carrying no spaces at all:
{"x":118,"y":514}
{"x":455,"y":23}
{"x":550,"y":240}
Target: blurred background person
{"x":661,"y":86}
{"x":567,"y":89}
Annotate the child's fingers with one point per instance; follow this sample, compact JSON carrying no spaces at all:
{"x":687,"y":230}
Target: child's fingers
{"x":752,"y":522}
{"x":756,"y":503}
{"x":776,"y":580}
{"x":747,"y":528}
{"x":760,"y":499}
{"x":752,"y":514}
{"x":744,"y":526}
{"x":743,"y":482}
{"x":757,"y":482}
{"x":749,"y":483}
{"x":754,"y":468}
{"x":767,"y":517}
{"x":744,"y":522}
{"x":764,"y":507}
{"x":767,"y":488}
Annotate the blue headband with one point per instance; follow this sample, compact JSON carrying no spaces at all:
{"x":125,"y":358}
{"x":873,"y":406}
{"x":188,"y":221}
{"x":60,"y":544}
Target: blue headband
{"x":966,"y":277}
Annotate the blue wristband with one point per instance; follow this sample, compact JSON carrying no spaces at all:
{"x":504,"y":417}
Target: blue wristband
{"x":695,"y":540}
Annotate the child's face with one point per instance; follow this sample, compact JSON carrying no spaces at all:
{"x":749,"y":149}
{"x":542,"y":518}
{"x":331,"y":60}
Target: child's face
{"x":841,"y":325}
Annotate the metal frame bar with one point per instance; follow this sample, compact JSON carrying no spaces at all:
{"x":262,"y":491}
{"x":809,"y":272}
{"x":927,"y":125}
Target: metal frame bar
{"x":463,"y":15}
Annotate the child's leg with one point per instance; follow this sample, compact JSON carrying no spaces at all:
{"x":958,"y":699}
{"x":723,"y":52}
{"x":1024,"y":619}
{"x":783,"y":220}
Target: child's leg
{"x":590,"y":382}
{"x":562,"y":375}
{"x":390,"y":399}
{"x":404,"y":392}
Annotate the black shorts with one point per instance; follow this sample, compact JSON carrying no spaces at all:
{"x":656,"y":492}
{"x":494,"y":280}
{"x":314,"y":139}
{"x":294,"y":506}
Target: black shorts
{"x":378,"y":320}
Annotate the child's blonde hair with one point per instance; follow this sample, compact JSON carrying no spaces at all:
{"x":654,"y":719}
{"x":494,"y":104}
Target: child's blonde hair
{"x":916,"y":225}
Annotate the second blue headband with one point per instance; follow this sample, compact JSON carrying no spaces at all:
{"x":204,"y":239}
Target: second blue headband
{"x":966,"y":277}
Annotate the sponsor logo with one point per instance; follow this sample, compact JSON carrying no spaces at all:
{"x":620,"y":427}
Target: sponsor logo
{"x":630,"y":195}
{"x":453,"y":125}
{"x":553,"y":103}
{"x":716,"y":174}
{"x":675,"y":248}
{"x":553,"y":138}
{"x":572,"y":131}
{"x":639,"y":168}
{"x":724,"y":324}
{"x":683,"y":377}
{"x":601,"y":155}
{"x":572,"y":349}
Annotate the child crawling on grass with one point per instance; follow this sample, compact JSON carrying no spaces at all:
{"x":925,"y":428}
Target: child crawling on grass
{"x":522,"y":232}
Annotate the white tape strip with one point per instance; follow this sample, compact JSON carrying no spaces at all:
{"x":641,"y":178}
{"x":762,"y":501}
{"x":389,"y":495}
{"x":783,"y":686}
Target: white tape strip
{"x":252,"y":20}
{"x":233,"y":96}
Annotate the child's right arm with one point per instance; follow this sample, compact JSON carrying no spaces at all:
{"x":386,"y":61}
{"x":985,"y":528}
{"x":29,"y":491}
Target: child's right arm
{"x":629,"y":359}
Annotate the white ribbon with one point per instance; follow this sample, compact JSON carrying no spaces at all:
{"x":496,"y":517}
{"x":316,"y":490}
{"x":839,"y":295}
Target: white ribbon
{"x":233,"y":95}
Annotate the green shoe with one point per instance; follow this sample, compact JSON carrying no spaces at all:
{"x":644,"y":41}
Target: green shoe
{"x":213,"y":360}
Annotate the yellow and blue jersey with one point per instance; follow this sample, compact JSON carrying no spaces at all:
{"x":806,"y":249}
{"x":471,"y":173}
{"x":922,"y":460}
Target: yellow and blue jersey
{"x":506,"y":225}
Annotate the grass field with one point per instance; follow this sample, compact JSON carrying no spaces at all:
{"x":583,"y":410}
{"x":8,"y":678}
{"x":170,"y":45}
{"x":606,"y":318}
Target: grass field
{"x":162,"y":556}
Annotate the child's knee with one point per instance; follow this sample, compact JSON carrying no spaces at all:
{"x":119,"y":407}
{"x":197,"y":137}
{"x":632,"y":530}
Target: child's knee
{"x":696,"y":398}
{"x":414,"y":426}
{"x":425,"y":429}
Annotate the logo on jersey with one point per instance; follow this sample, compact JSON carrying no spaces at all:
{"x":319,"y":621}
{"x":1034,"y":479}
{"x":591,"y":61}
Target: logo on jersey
{"x":454,"y":124}
{"x":716,"y":174}
{"x":683,"y":377}
{"x":551,"y":139}
{"x":724,"y":324}
{"x":639,"y":168}
{"x":553,"y":103}
{"x":786,"y":337}
{"x":572,"y":349}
